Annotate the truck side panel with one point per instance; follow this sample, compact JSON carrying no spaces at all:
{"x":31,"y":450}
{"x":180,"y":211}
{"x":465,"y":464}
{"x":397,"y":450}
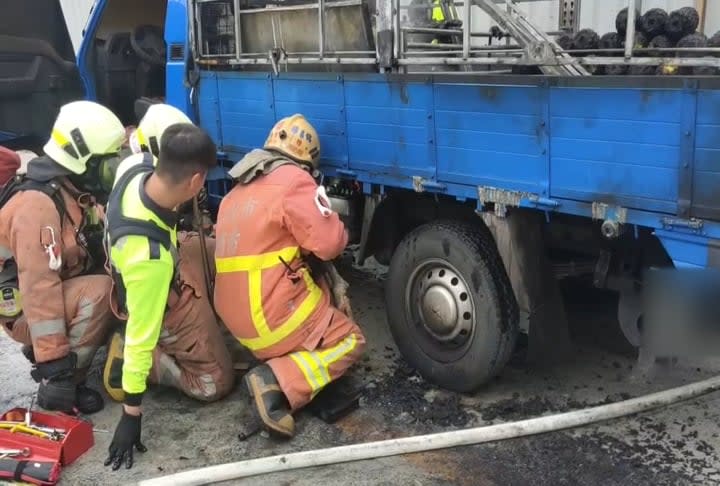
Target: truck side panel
{"x":706,"y":180}
{"x":322,"y":102}
{"x":637,"y":155}
{"x":390,"y":128}
{"x":492,"y":136}
{"x":620,"y":146}
{"x":246,"y":111}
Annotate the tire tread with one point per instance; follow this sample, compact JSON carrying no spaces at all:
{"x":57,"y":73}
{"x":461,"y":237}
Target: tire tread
{"x":478,"y":238}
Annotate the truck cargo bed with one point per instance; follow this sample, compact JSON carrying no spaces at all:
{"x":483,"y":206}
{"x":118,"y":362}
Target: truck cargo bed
{"x":645,"y":148}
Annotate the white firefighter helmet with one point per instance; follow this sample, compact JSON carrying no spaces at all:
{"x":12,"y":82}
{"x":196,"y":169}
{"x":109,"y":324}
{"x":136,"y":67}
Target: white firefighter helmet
{"x":83,"y":129}
{"x":152,"y":126}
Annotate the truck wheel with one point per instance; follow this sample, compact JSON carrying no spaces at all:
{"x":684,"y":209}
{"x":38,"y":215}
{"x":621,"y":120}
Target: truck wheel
{"x":450,"y":305}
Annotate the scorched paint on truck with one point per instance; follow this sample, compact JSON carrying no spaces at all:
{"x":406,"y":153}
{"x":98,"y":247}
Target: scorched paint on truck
{"x":478,"y":187}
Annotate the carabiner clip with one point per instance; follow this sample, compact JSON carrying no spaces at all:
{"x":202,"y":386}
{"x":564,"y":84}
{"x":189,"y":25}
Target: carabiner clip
{"x":323,"y":202}
{"x":52,"y":249}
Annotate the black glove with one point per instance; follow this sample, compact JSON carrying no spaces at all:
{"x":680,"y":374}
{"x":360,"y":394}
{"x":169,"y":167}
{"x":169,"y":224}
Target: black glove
{"x":318,"y":268}
{"x":127,"y":435}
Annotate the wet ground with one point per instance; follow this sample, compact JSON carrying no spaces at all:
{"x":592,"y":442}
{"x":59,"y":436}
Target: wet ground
{"x":676,"y":445}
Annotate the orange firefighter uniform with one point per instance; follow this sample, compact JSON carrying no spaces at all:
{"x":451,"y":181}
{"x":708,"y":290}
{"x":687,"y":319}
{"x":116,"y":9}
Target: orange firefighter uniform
{"x":61,"y":311}
{"x":264,"y":292}
{"x":50,"y":241}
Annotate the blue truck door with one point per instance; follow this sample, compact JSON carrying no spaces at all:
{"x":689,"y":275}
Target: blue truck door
{"x":179,"y":57}
{"x":83,"y":61}
{"x":176,"y":29}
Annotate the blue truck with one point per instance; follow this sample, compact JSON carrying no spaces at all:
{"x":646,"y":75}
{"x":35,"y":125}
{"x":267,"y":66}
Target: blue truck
{"x":480,"y":174}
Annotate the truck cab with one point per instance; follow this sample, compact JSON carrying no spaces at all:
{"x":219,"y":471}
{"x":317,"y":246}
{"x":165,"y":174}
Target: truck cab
{"x":134,"y":53}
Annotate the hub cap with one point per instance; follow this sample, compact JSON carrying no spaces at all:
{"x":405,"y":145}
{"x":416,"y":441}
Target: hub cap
{"x":439,"y":300}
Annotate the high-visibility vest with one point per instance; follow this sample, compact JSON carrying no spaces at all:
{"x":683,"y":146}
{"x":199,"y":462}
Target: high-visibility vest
{"x":118,"y":226}
{"x":442,"y":10}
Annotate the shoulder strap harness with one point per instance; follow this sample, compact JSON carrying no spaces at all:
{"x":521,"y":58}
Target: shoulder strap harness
{"x":120,"y":225}
{"x":22,"y":182}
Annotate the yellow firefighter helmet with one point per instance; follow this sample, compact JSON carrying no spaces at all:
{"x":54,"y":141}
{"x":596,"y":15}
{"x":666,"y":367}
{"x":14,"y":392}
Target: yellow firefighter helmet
{"x":296,"y":138}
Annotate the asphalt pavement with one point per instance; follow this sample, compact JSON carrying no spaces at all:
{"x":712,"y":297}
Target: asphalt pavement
{"x":675,"y":445}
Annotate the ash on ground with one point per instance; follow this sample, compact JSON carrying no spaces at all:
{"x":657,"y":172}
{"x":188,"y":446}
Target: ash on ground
{"x":406,"y":398}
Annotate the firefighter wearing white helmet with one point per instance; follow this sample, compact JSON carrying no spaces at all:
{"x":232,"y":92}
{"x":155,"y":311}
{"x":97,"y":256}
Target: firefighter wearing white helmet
{"x":49,"y":300}
{"x":158,"y":271}
{"x":83,"y":129}
{"x":145,"y":139}
{"x":156,"y":120}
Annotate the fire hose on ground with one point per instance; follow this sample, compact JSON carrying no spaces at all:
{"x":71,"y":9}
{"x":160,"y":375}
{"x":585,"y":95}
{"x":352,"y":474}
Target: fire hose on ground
{"x":442,"y":440}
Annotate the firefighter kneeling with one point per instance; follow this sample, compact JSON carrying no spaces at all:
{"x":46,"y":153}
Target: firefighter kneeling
{"x":171,"y":335}
{"x":50,"y":246}
{"x":270,"y":223}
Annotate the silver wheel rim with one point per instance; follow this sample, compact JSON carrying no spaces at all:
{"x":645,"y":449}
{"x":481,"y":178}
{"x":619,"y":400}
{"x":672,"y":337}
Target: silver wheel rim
{"x":439,"y":301}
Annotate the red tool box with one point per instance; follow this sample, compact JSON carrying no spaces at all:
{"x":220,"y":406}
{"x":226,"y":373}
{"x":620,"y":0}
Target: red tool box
{"x":45,"y":457}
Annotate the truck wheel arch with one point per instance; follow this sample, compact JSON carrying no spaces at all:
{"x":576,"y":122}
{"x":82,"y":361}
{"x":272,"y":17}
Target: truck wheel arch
{"x":388,"y":218}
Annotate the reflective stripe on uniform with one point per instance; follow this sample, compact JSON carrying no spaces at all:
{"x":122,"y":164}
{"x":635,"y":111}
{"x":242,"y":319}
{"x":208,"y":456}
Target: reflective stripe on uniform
{"x":263,"y":261}
{"x":334,"y":354}
{"x":84,"y":355}
{"x":438,"y":11}
{"x":315,"y":365}
{"x":76,"y":333}
{"x":310,"y":371}
{"x":59,"y":138}
{"x":46,"y":328}
{"x":253,"y":265}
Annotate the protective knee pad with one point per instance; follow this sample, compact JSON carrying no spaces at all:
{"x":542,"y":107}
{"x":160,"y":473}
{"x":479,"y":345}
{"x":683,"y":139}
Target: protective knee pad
{"x":112,"y":372}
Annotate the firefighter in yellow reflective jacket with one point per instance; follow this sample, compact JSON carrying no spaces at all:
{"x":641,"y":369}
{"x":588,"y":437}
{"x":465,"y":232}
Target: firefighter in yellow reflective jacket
{"x":171,"y":335}
{"x":438,"y":14}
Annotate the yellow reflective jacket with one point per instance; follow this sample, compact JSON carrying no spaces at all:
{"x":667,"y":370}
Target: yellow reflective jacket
{"x":142,"y":244}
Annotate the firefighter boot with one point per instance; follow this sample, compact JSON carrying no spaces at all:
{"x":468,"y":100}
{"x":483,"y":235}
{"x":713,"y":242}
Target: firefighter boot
{"x":66,"y":396}
{"x":269,"y":402}
{"x":87,"y":400}
{"x":112,"y":373}
{"x":56,"y":390}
